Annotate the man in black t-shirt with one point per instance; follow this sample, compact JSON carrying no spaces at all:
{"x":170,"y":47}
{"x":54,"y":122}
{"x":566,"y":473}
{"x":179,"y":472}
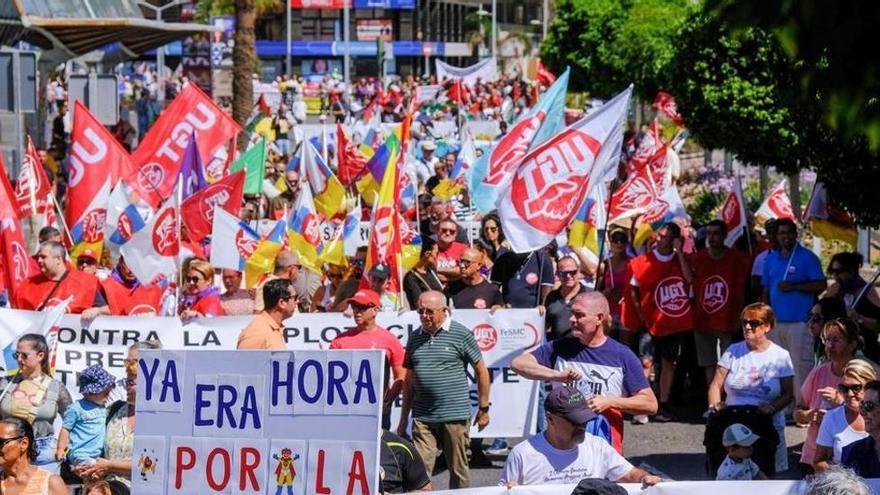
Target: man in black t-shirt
{"x":400,"y":467}
{"x":472,"y":290}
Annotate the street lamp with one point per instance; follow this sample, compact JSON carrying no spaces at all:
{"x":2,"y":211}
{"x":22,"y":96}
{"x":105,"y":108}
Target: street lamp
{"x":160,"y":51}
{"x":483,"y":13}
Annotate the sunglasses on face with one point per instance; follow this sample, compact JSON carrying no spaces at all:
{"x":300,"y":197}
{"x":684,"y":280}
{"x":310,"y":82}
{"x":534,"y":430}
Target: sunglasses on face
{"x":843,"y":388}
{"x":359,"y":308}
{"x":867,"y":406}
{"x":751,"y":323}
{"x":428,"y":311}
{"x":4,"y":441}
{"x":193,"y":280}
{"x":567,"y":273}
{"x":22,"y":355}
{"x":618,"y":241}
{"x":490,"y":229}
{"x":464,"y":262}
{"x":448,"y":231}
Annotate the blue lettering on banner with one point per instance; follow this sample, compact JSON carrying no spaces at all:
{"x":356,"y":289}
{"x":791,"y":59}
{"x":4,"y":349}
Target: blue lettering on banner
{"x":202,"y":403}
{"x":278,"y":382}
{"x":232,"y":411}
{"x":365,"y":382}
{"x":169,"y":380}
{"x":319,"y":387}
{"x":337,"y":382}
{"x":319,"y":383}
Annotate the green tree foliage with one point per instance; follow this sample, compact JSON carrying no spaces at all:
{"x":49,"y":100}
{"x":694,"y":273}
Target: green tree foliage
{"x":611,"y":43}
{"x":835,"y":41}
{"x":738,"y":93}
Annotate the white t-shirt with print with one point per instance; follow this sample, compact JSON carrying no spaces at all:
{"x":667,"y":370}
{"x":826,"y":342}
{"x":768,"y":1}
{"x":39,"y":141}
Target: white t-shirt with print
{"x":835,"y":432}
{"x":755,"y":377}
{"x":536,"y":462}
{"x":746,"y":470}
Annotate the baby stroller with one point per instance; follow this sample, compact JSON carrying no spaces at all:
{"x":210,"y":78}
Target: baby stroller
{"x":764,"y":450}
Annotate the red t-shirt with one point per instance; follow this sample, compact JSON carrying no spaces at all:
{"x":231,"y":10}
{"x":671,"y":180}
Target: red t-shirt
{"x":34,"y":292}
{"x":380,"y":338}
{"x":449,"y":258}
{"x":209,"y":305}
{"x":144,"y":299}
{"x":664,"y":295}
{"x":719,"y":289}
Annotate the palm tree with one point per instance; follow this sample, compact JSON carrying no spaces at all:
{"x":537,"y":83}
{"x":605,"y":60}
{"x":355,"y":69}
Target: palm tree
{"x":244,"y":57}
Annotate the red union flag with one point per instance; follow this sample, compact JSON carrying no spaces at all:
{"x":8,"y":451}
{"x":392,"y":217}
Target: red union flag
{"x":504,"y":157}
{"x":777,"y":205}
{"x":198,"y":210}
{"x":159,"y":155}
{"x":15,"y":262}
{"x":665,"y":103}
{"x":634,"y":197}
{"x":97,"y":162}
{"x":33,"y":187}
{"x":550,"y":183}
{"x":733,"y":214}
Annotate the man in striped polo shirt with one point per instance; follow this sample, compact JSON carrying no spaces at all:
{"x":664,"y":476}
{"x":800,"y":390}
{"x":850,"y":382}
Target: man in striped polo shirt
{"x":436,"y":388}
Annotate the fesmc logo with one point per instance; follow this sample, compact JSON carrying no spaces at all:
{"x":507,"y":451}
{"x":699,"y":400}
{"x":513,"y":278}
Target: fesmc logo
{"x":553,"y":178}
{"x":165,"y":234}
{"x":715,"y":293}
{"x":93,"y":225}
{"x":486,"y":336}
{"x":244,"y":244}
{"x":215,"y":195}
{"x":671,"y":297}
{"x":151,"y":176}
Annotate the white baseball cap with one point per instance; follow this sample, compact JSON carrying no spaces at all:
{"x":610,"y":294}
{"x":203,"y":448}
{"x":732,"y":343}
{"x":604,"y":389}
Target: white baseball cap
{"x":739,"y":434}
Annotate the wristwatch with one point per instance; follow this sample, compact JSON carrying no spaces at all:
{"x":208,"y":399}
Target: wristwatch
{"x":484,"y":409}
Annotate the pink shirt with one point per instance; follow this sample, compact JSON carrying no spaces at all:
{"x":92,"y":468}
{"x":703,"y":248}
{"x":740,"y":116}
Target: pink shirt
{"x":820,"y":377}
{"x":377,"y":339}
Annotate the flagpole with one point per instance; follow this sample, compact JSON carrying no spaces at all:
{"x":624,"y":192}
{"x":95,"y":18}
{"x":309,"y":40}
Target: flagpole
{"x":865,"y":289}
{"x":179,"y":195}
{"x":742,"y":207}
{"x":601,"y":238}
{"x":61,"y":217}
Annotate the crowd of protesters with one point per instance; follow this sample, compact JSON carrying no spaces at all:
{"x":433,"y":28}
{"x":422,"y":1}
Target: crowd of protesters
{"x":792,"y":344}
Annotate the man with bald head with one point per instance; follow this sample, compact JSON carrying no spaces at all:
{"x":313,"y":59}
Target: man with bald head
{"x":436,"y":388}
{"x":472,"y":290}
{"x":604,"y":370}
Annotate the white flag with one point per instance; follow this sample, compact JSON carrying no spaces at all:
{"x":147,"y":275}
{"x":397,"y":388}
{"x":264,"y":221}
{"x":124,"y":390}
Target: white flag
{"x":777,"y":205}
{"x":153,"y":251}
{"x":550,"y":183}
{"x":232,"y":241}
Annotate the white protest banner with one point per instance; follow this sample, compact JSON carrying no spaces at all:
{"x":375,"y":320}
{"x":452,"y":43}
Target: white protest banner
{"x":485,"y":71}
{"x":105,"y":341}
{"x":427,"y":93}
{"x":258,"y":422}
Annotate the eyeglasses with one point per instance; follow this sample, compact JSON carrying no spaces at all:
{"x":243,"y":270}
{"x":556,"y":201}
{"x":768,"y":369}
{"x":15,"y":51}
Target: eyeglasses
{"x":287,"y":297}
{"x":814,"y":317}
{"x":751,"y":323}
{"x":833,"y":270}
{"x":618,"y":240}
{"x":448,"y":231}
{"x":867,"y":406}
{"x":4,"y":441}
{"x":22,"y":355}
{"x":428,"y":311}
{"x":335,"y":275}
{"x":193,"y":280}
{"x":464,"y":262}
{"x":359,"y":308}
{"x":855,"y":389}
{"x":567,"y":273}
{"x":490,"y":229}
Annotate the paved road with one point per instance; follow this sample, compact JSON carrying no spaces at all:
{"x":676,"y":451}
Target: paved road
{"x":675,"y":449}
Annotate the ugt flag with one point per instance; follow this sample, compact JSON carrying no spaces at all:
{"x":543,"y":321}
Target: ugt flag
{"x":552,"y":180}
{"x":153,"y":251}
{"x":733,"y":214}
{"x":492,"y":172}
{"x":777,"y":205}
{"x":159,"y":155}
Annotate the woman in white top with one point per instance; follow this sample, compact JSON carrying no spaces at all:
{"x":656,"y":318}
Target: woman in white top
{"x":844,"y":425}
{"x":756,"y":372}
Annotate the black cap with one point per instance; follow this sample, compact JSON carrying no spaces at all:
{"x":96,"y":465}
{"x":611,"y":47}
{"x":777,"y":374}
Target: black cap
{"x":380,"y":271}
{"x":570,"y":403}
{"x":597,"y":486}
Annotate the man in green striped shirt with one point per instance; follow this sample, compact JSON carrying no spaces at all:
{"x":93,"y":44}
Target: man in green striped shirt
{"x":436,"y":388}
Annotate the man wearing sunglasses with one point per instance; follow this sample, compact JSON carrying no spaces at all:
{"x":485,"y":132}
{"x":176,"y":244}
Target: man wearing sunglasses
{"x":266,"y":330}
{"x":449,"y":251}
{"x":565,"y":453}
{"x":366,"y":334}
{"x":473,"y":291}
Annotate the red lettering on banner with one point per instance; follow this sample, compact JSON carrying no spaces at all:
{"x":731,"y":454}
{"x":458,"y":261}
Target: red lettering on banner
{"x":79,"y":155}
{"x":209,"y":469}
{"x":357,"y":472}
{"x":181,"y":466}
{"x":319,"y":477}
{"x":248,"y":469}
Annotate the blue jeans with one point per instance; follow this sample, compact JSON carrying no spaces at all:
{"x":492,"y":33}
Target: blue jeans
{"x":46,"y":454}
